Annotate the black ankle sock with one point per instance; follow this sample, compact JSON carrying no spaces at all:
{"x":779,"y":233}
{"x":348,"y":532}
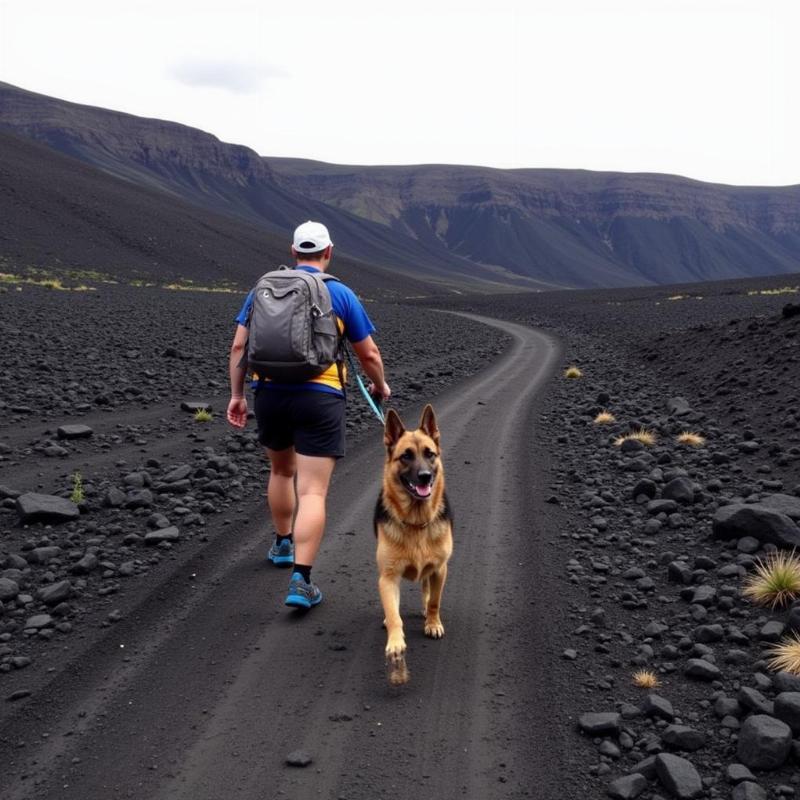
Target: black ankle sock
{"x":282,"y":539}
{"x":304,"y":571}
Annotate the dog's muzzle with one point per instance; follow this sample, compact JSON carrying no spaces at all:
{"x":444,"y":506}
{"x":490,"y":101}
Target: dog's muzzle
{"x":421,"y":490}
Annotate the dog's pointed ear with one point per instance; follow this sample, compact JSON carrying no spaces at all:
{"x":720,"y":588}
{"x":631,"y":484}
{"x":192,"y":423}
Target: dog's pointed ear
{"x":427,"y":423}
{"x":393,"y":429}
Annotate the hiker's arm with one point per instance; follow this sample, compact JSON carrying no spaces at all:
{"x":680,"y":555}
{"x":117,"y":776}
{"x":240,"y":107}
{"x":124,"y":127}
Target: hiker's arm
{"x":237,"y":407}
{"x":370,"y":358}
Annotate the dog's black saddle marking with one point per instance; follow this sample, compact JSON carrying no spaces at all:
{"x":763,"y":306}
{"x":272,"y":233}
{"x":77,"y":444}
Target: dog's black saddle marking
{"x":382,"y":515}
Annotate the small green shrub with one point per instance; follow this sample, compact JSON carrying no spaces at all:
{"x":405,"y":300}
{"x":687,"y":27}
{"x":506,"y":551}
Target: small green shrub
{"x":77,"y":495}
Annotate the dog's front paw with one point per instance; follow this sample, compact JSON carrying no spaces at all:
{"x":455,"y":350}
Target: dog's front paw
{"x":397,"y":670}
{"x":434,"y":628}
{"x":395,"y":646}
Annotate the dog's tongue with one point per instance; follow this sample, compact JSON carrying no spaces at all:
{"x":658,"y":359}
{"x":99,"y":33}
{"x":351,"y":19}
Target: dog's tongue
{"x":423,"y":491}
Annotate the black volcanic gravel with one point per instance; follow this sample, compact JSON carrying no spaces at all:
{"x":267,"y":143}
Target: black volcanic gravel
{"x":648,"y":585}
{"x":121,"y":361}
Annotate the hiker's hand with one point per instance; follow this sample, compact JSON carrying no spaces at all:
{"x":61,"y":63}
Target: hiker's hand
{"x":381,"y":396}
{"x":237,"y":412}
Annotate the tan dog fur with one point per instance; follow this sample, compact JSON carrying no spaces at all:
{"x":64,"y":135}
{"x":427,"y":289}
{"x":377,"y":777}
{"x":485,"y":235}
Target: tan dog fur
{"x":415,"y":534}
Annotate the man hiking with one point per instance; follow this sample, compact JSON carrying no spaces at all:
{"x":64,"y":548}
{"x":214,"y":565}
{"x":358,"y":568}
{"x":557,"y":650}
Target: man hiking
{"x":302,"y":424}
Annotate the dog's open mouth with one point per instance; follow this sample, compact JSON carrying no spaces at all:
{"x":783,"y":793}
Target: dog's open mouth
{"x":420,"y":491}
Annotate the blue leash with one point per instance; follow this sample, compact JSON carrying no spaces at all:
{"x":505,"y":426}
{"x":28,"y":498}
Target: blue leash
{"x":372,"y":404}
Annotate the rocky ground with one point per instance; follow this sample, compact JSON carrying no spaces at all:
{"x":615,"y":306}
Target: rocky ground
{"x":651,"y":543}
{"x":102,"y":385}
{"x":657,"y":541}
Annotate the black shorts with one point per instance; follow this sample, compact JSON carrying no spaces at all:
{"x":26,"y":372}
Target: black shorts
{"x":311,"y":421}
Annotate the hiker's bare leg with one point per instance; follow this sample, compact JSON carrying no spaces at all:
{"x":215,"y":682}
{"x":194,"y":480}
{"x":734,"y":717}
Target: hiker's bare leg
{"x":313,"y":477}
{"x":280,"y":489}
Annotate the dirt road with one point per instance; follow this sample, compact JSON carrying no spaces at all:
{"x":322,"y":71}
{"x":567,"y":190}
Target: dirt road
{"x":204,"y":690}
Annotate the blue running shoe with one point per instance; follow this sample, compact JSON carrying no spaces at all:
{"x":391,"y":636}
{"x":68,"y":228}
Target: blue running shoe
{"x":302,"y":594}
{"x":283,"y":553}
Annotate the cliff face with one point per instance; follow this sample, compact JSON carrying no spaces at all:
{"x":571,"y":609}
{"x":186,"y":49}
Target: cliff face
{"x":582,"y":228}
{"x":446,"y":224}
{"x":596,"y":197}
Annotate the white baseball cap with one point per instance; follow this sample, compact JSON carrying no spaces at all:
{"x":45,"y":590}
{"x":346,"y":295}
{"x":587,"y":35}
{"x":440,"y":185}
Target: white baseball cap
{"x":311,"y":237}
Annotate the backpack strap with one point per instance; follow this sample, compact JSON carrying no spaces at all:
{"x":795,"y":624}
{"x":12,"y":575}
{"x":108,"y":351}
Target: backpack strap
{"x":342,"y":344}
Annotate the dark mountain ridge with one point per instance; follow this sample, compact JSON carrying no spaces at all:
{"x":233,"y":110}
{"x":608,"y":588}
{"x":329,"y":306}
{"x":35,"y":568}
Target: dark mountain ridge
{"x":474,"y":227}
{"x":59,"y":214}
{"x":573,"y":224}
{"x":229,"y":179}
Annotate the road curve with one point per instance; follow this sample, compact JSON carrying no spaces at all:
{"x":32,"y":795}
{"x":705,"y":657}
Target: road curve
{"x":217,"y":681}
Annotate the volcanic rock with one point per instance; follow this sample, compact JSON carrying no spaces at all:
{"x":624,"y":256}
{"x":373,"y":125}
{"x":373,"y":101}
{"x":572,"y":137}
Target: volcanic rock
{"x":683,"y":738}
{"x":85,"y":565}
{"x":786,"y":682}
{"x":702,"y":670}
{"x":739,"y":772}
{"x":39,"y":621}
{"x":747,"y":790}
{"x":764,"y":742}
{"x":52,"y":595}
{"x":42,"y":555}
{"x":784,"y":504}
{"x":194,"y":406}
{"x":298,"y":758}
{"x":787,"y":709}
{"x":600,"y":724}
{"x":657,"y":706}
{"x":8,"y":589}
{"x":678,"y":776}
{"x":171,"y":534}
{"x":765,"y":524}
{"x":678,"y":406}
{"x":33,"y":507}
{"x":74,"y":432}
{"x":627,"y":787}
{"x":679,"y":489}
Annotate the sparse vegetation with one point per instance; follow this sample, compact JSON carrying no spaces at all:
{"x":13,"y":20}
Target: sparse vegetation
{"x":77,"y":495}
{"x":646,"y":679}
{"x":782,"y":290}
{"x":46,"y":282}
{"x":647,"y":438}
{"x":79,"y":280}
{"x":201,"y":415}
{"x":776,"y":580}
{"x":573,"y":373}
{"x":690,"y":439}
{"x":604,"y":418}
{"x":188,"y":286}
{"x":785,"y":656}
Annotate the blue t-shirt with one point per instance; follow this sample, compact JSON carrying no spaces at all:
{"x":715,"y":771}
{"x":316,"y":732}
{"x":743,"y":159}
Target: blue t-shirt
{"x":346,"y":306}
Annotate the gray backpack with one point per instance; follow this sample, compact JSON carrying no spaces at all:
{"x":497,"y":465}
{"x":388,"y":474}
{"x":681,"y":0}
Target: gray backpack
{"x":293,"y":332}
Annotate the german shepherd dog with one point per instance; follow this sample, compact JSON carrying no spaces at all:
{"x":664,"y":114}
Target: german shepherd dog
{"x":414,"y":529}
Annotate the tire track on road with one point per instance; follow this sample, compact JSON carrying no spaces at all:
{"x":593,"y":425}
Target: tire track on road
{"x":212,"y":711}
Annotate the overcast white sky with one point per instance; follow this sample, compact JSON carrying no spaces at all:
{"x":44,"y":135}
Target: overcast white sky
{"x":703,"y":88}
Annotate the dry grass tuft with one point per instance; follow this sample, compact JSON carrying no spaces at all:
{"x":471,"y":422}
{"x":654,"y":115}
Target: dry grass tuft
{"x":604,"y":418}
{"x":691,"y":439}
{"x":647,"y":438}
{"x":573,"y":373}
{"x":646,"y":679}
{"x":776,"y":580}
{"x":201,"y":415}
{"x":785,"y":656}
